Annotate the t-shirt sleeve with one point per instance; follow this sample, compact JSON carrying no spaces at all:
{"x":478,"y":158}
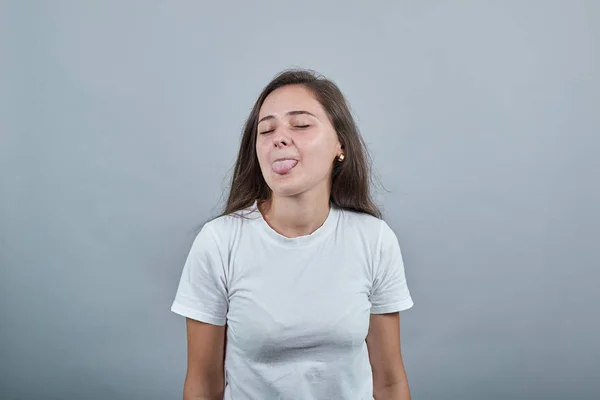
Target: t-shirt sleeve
{"x":202,"y":291}
{"x":389,"y":292}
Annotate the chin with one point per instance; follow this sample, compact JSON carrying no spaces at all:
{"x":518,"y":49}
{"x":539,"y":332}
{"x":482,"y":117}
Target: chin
{"x":286,"y":188}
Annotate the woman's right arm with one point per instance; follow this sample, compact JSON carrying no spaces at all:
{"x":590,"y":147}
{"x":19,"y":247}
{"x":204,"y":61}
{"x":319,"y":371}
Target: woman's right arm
{"x":205,"y":377}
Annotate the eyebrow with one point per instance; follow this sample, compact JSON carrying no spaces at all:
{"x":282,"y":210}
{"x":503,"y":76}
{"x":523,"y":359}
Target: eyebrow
{"x":295,"y":112}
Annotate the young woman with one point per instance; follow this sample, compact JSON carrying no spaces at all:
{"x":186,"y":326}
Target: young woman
{"x":295,"y":291}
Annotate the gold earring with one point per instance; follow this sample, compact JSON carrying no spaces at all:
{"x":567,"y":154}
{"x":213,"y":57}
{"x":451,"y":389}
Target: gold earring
{"x":341,"y":157}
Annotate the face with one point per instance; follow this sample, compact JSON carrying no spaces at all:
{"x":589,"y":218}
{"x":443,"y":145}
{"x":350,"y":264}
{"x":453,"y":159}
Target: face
{"x":296,"y":143}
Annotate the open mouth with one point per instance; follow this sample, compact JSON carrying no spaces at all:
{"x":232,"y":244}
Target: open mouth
{"x":283,"y":166}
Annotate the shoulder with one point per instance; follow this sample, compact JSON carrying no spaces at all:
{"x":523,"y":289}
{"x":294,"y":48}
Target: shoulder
{"x":373,"y":229}
{"x":226,"y":228}
{"x":363,"y":222}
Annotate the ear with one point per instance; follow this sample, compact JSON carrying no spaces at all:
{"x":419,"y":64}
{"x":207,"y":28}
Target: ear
{"x":338,"y":148}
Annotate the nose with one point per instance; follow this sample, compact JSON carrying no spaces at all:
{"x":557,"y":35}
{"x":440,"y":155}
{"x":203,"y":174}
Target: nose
{"x":281,"y":140}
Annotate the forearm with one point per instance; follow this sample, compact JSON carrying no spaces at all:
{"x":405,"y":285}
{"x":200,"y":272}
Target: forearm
{"x":396,"y":391}
{"x":192,"y":396}
{"x":196,"y":391}
{"x":202,"y":397}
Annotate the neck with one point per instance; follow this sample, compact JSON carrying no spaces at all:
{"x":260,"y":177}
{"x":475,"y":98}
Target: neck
{"x":297,"y":215}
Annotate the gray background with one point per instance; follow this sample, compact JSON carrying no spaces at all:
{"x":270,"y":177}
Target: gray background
{"x":120,"y":123}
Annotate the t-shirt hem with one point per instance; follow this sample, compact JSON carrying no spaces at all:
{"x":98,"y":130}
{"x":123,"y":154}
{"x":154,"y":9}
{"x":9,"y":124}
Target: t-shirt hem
{"x":197,"y":315}
{"x":394,"y":307}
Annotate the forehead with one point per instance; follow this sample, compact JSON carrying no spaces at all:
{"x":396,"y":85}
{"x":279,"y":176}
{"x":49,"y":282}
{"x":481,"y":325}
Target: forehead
{"x":290,"y":98}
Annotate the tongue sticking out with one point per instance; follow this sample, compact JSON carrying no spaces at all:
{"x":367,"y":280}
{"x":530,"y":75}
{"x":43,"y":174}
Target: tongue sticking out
{"x":284,"y":166}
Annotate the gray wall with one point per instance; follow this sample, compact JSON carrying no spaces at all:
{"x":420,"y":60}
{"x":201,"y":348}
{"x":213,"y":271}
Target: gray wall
{"x":119,"y":126}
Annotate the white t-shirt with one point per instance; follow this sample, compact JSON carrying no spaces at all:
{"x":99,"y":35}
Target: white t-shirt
{"x":297,"y":309}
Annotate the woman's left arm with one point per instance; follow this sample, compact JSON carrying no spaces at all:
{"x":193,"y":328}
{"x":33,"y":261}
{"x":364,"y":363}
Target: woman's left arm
{"x":383,"y":343}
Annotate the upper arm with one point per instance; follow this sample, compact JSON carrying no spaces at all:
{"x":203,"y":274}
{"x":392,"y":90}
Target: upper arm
{"x":202,"y":293}
{"x":383,"y":342}
{"x":389,"y":291}
{"x":205,"y":377}
{"x":202,"y":297}
{"x":389,"y":295}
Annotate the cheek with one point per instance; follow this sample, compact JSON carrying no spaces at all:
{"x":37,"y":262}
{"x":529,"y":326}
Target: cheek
{"x":317,"y":159}
{"x":262,"y":153}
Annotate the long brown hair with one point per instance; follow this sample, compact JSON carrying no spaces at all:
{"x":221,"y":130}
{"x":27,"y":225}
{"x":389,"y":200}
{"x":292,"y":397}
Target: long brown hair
{"x":351,"y":179}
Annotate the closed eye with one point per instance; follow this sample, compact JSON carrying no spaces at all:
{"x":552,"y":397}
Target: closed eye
{"x":295,"y":126}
